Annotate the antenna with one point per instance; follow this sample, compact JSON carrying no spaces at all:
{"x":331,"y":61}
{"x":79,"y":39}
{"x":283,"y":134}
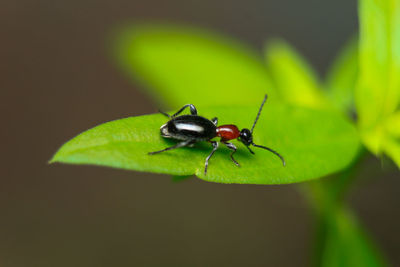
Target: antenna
{"x":273,"y":151}
{"x":259,"y":112}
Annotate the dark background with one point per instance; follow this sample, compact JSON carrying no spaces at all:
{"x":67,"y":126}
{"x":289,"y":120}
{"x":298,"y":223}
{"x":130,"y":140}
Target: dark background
{"x":57,"y":78}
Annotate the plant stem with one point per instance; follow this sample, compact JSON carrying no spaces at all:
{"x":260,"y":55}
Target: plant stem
{"x":339,"y":238}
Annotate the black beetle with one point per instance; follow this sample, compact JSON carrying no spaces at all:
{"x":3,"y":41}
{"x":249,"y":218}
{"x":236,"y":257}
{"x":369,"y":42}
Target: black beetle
{"x":190,"y":129}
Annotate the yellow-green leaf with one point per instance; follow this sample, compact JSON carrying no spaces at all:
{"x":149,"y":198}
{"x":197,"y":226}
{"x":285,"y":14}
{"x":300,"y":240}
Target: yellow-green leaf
{"x":391,"y":147}
{"x":392,"y":124}
{"x":342,"y":76}
{"x":378,"y":90}
{"x":295,"y":80}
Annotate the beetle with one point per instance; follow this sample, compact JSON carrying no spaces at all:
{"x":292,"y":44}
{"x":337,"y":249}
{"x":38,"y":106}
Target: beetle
{"x":190,"y":129}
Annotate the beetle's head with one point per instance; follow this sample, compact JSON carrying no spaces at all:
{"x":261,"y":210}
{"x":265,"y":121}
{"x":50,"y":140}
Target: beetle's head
{"x":164,"y":131}
{"x":246,"y":137}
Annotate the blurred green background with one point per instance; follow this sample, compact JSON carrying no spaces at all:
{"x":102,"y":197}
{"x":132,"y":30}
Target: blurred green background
{"x":58,"y":78}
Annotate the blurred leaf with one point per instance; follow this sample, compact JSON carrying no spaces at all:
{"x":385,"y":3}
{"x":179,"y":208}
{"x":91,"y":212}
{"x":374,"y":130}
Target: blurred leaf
{"x":392,"y":124}
{"x":295,"y":79}
{"x":342,"y":76}
{"x":391,"y":147}
{"x":378,"y":90}
{"x":310,"y":142}
{"x":347,"y":244}
{"x":182,"y":64}
{"x":340,"y":239}
{"x":391,"y":143}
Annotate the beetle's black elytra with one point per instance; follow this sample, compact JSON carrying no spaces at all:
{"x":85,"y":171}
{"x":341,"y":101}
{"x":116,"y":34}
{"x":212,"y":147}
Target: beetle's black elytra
{"x":189,"y":127}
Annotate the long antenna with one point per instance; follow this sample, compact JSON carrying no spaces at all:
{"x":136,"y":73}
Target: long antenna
{"x":259,"y":112}
{"x":273,"y":151}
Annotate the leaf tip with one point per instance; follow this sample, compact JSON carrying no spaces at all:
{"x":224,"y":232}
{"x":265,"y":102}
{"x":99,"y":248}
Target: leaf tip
{"x":59,"y":156}
{"x":54,"y":159}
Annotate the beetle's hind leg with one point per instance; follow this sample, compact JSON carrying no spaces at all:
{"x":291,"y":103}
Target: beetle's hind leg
{"x":233,"y":148}
{"x":164,"y":113}
{"x":193,"y":110}
{"x":178,"y":145}
{"x":215,"y":147}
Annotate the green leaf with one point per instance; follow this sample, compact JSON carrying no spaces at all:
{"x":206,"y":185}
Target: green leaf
{"x":181,"y":64}
{"x":378,"y":90}
{"x":342,"y":76}
{"x":347,"y":244}
{"x":314,"y":144}
{"x":391,"y":143}
{"x":295,"y":79}
{"x":391,"y":147}
{"x":392,"y":125}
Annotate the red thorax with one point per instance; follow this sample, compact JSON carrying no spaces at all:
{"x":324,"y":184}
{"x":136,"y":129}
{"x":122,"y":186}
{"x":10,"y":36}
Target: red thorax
{"x":228,"y":132}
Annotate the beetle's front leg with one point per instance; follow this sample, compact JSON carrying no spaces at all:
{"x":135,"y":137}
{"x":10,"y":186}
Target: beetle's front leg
{"x":233,"y":148}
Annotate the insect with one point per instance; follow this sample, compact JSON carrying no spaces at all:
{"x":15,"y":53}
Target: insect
{"x":190,"y":129}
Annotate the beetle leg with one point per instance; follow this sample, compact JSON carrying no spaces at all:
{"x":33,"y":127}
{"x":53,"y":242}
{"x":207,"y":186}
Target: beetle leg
{"x":251,"y":151}
{"x":233,"y":148}
{"x":178,"y":145}
{"x":165,"y":114}
{"x":193,"y":110}
{"x":215,"y":147}
{"x":215,"y":121}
